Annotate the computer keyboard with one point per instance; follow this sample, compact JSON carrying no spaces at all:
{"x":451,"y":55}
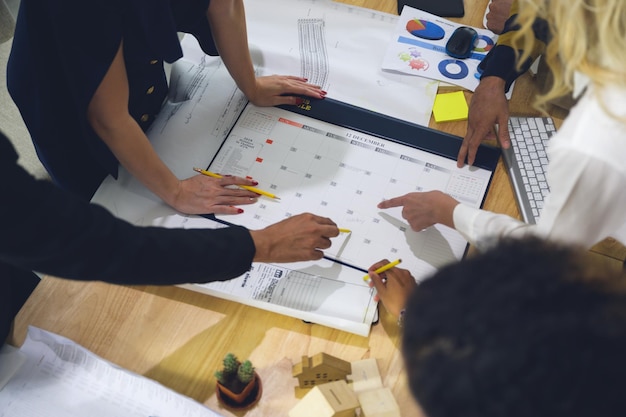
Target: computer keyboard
{"x":526,"y":161}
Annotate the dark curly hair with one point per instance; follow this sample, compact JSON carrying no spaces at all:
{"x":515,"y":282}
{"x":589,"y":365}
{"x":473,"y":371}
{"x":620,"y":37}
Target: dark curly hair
{"x":528,"y":328}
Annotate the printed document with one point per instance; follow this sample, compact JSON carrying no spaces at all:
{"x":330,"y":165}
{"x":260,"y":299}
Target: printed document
{"x":62,"y":379}
{"x":418,"y":48}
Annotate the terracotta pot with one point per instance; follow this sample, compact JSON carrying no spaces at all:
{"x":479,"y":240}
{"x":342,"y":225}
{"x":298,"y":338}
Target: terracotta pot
{"x":249,"y":396}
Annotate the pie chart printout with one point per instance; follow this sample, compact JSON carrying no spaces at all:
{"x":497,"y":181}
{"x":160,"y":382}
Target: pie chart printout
{"x":425,"y":29}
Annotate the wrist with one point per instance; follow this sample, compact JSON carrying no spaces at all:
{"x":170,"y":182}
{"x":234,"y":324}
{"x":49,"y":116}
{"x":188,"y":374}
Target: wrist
{"x":261,"y":253}
{"x":446,"y":205}
{"x":493,"y":82}
{"x":170,"y":192}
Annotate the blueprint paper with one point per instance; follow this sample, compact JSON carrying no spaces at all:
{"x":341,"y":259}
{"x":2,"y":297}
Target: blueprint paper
{"x":339,"y":47}
{"x":60,"y":378}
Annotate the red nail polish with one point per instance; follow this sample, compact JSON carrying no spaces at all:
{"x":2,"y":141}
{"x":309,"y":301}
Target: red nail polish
{"x":299,"y":101}
{"x":255,"y":182}
{"x":239,"y":211}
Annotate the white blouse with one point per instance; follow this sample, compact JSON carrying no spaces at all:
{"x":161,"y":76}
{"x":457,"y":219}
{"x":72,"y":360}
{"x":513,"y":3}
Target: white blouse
{"x":586,"y":175}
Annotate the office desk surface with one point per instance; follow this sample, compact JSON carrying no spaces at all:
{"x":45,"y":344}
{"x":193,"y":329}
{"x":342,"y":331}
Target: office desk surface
{"x":178,"y":337}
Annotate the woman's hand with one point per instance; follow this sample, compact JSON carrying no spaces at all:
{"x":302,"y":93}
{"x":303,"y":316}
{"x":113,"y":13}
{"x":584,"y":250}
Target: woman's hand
{"x":423,"y":210}
{"x":393,"y":287}
{"x":488,"y":108}
{"x":283,"y":89}
{"x":204,"y":195}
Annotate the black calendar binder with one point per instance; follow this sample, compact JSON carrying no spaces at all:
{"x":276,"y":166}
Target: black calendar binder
{"x":390,"y":128}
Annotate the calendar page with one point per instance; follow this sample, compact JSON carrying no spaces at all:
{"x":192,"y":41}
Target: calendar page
{"x":341,"y":173}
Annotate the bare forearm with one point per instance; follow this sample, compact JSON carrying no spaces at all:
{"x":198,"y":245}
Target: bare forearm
{"x":228,"y":24}
{"x":131,"y":147}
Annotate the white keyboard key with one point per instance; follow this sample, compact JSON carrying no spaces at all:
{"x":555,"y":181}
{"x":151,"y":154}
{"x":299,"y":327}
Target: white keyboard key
{"x":527,"y":161}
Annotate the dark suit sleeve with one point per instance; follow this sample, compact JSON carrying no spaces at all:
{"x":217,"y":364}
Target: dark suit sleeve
{"x":501,"y":61}
{"x":47,"y":230}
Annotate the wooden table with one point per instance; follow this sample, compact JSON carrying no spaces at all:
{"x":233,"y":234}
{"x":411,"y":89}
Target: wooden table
{"x":178,"y":337}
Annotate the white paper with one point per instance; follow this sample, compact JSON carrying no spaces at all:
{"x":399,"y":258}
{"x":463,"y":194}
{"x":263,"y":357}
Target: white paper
{"x":322,"y":292}
{"x":62,"y":379}
{"x":340,"y":48}
{"x":410,"y":50}
{"x":11,"y":359}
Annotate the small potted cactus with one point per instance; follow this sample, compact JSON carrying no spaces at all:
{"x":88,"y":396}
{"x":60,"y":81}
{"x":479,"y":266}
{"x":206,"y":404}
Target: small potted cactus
{"x":238,"y":384}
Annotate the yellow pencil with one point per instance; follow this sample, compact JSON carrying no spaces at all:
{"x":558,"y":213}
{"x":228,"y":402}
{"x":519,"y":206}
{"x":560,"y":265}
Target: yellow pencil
{"x":384,"y":268}
{"x":344,"y":230}
{"x":245,"y":187}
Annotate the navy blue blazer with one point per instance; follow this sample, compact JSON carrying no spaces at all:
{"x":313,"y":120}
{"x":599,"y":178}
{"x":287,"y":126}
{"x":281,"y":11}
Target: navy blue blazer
{"x":61,"y":51}
{"x":46,"y":229}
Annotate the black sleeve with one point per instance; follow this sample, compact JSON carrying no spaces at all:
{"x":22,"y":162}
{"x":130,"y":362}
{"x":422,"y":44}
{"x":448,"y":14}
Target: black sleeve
{"x":47,"y":230}
{"x":501,"y":61}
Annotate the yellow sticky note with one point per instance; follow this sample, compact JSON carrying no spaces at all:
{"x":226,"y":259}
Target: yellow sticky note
{"x":450,"y":106}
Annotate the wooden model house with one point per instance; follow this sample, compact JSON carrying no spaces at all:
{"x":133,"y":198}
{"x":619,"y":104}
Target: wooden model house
{"x":333,"y":399}
{"x":338,"y":398}
{"x":319,"y":369}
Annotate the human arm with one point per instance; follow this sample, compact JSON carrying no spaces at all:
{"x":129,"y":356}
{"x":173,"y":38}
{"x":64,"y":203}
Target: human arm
{"x":393,"y":288}
{"x":586,"y":177}
{"x":561,"y":217}
{"x":228,"y":25}
{"x":576,"y":211}
{"x":489,"y":108}
{"x":108,"y":115}
{"x":48,"y":230}
{"x":51,"y":231}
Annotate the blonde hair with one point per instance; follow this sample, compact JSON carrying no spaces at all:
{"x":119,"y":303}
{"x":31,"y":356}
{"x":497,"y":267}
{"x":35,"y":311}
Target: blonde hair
{"x":587,"y":36}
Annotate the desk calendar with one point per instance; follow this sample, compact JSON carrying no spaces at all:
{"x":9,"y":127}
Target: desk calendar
{"x":340,"y":161}
{"x":342,"y":173}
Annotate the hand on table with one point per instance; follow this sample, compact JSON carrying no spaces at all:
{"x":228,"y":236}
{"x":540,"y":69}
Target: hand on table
{"x":283,"y":89}
{"x":298,"y":238}
{"x":393,"y":287}
{"x":204,"y":195}
{"x":488,"y":107}
{"x":423,"y":210}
